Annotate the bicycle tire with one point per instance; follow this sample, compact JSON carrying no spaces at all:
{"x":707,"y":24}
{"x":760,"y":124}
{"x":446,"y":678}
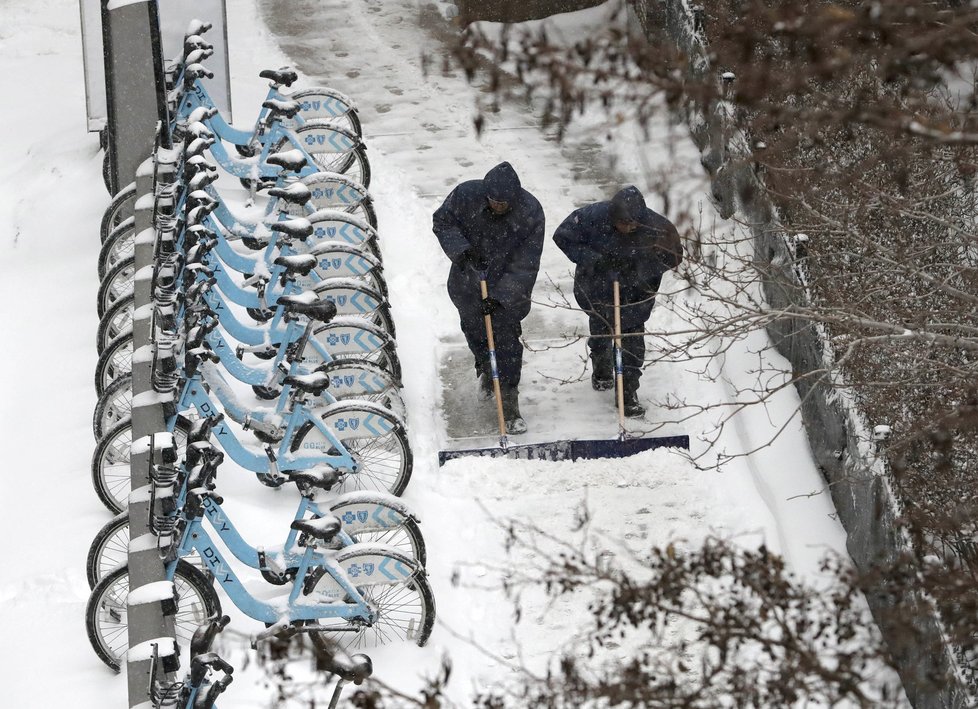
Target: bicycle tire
{"x":110,"y":550}
{"x":114,"y":362}
{"x":343,"y":226}
{"x":380,"y":470}
{"x":110,"y":547}
{"x":110,"y":463}
{"x":394,"y":601}
{"x":369,"y":215}
{"x":118,"y":283}
{"x":385,"y":355}
{"x":378,"y":376}
{"x":122,"y":205}
{"x":106,"y":613}
{"x":113,"y":406}
{"x":380,"y":315}
{"x":115,"y":321}
{"x":119,"y":244}
{"x":351,"y":162}
{"x":106,"y":171}
{"x":367,"y":368}
{"x":349,"y":120}
{"x":405,"y":538}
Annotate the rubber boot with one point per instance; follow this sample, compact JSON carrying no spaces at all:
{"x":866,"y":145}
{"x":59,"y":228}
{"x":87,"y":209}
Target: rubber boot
{"x":602,"y":372}
{"x":511,"y":410}
{"x":633,"y":409}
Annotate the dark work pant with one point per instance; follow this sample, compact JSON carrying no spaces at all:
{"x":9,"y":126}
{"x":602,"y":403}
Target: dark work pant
{"x":506,"y":331}
{"x":601,"y":324}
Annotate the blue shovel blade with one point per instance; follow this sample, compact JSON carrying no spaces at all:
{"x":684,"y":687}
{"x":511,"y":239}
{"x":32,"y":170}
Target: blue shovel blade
{"x":571,"y":450}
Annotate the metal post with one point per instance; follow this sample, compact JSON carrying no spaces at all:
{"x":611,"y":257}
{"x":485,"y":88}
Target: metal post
{"x":147,"y":623}
{"x":134,"y":84}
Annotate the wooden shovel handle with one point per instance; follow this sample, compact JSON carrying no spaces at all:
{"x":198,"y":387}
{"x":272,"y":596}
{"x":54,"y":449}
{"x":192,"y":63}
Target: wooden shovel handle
{"x":619,"y":380}
{"x":495,"y":371}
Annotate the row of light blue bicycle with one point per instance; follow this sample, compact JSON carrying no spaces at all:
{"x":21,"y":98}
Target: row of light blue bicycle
{"x":273,"y":347}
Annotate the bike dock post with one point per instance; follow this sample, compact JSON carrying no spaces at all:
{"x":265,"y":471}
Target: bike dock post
{"x":148,"y":625}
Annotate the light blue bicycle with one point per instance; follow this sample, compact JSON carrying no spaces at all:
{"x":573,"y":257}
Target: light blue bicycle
{"x":359,"y":596}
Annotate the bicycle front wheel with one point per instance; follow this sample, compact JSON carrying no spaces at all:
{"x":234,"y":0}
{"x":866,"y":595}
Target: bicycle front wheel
{"x":113,"y":406}
{"x":114,"y":362}
{"x":111,"y":476}
{"x":120,"y":208}
{"x":110,"y":550}
{"x":119,"y":244}
{"x":117,"y":284}
{"x":117,"y":320}
{"x":107,"y":616}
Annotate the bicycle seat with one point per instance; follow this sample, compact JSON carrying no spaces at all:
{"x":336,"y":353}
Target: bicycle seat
{"x":292,"y":160}
{"x":287,"y":108}
{"x":286,"y":77}
{"x":296,"y":264}
{"x":321,"y":310}
{"x":322,"y":476}
{"x":313,"y":383}
{"x":298,"y":228}
{"x":321,"y":528}
{"x":296,"y":193}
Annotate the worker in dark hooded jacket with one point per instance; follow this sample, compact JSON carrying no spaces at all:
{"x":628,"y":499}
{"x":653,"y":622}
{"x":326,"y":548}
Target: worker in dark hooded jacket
{"x":624,"y":239}
{"x":494,"y":227}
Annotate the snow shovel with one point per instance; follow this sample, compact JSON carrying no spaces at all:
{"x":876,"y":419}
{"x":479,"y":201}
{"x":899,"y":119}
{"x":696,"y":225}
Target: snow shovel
{"x":620,"y":447}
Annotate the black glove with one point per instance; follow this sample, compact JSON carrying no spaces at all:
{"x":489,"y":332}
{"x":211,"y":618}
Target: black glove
{"x":469,"y":259}
{"x":490,"y":305}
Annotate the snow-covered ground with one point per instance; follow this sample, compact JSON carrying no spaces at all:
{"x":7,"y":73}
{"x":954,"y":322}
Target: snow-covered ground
{"x":421,"y":143}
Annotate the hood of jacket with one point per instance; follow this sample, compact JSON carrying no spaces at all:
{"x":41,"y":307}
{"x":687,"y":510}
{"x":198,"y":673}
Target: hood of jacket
{"x":502,"y":184}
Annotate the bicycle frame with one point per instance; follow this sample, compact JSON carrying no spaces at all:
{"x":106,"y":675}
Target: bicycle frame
{"x":195,"y":538}
{"x":328,"y":420}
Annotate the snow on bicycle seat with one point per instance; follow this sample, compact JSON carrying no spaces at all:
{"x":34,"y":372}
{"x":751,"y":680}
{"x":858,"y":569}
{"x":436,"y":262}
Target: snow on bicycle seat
{"x":287,"y":107}
{"x":300,"y":264}
{"x":280,"y":76}
{"x":292,"y":160}
{"x":308,"y":304}
{"x":296,"y":193}
{"x":312,"y":383}
{"x":323,"y":528}
{"x":297,"y":228}
{"x":321,"y":476}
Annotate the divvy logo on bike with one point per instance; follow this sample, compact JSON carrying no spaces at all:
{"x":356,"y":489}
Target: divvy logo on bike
{"x":217,"y":568}
{"x":328,"y":193}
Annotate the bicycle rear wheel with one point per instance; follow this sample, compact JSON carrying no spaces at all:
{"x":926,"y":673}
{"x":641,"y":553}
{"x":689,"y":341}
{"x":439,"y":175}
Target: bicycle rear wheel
{"x":323,"y":103}
{"x":405,"y":609}
{"x":373,"y":436}
{"x":106,"y":614}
